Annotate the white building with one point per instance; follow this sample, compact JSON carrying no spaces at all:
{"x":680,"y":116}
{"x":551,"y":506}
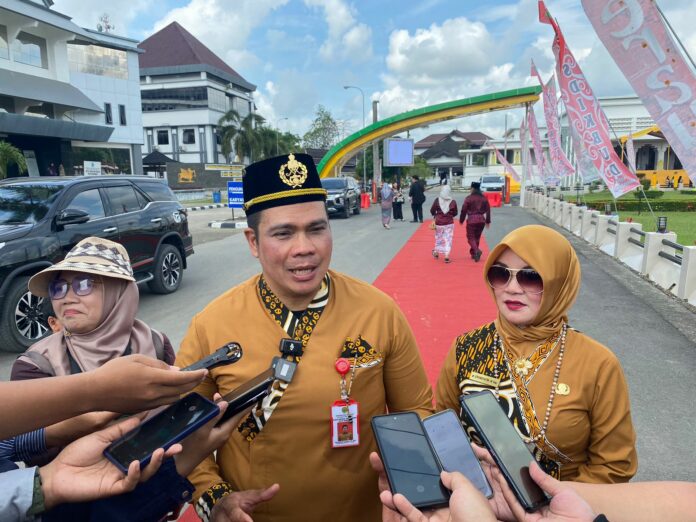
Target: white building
{"x":58,"y":83}
{"x":185,"y":90}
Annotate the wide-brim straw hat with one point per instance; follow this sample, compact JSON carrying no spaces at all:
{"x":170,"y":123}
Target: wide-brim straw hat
{"x":92,"y":255}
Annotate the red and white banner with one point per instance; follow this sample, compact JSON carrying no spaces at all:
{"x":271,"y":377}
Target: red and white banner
{"x":536,"y":143}
{"x":524,"y":150}
{"x":584,"y":163}
{"x":631,"y":153}
{"x":561,"y":165}
{"x":505,"y":164}
{"x":585,"y":113}
{"x":636,"y":37}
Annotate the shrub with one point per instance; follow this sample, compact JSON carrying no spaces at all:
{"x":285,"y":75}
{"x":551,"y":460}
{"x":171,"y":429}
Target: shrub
{"x":649,"y":194}
{"x":646,"y":183}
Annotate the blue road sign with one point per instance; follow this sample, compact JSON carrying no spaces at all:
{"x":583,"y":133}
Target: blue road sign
{"x":235,"y":194}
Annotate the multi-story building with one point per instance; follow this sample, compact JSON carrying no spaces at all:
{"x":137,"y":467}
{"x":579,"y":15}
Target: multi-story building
{"x":185,"y":90}
{"x":67,"y":94}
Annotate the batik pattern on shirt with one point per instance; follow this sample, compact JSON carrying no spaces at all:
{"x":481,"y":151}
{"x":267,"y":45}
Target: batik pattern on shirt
{"x":476,"y":354}
{"x":299,"y":326}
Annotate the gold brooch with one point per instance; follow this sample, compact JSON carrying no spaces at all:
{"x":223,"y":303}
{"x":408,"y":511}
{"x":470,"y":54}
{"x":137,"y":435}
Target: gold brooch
{"x":562,"y":389}
{"x":522,"y":367}
{"x":293,"y":173}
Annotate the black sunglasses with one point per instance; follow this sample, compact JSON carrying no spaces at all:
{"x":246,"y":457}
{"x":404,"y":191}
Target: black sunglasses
{"x":82,"y":285}
{"x":530,"y":281}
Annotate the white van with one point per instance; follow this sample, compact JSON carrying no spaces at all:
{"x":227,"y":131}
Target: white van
{"x":492,"y":183}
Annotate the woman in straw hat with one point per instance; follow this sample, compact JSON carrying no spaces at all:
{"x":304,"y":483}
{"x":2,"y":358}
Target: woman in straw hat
{"x":564,"y":392}
{"x":95,"y":298}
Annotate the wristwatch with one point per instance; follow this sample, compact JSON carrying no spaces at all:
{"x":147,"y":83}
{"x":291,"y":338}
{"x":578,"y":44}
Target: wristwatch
{"x":38,"y":502}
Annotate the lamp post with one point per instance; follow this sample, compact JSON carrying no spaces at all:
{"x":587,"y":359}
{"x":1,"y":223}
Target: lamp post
{"x":363,"y":123}
{"x":278,"y":120}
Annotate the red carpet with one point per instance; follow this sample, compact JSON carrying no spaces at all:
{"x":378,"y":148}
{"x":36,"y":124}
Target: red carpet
{"x":440,"y":301}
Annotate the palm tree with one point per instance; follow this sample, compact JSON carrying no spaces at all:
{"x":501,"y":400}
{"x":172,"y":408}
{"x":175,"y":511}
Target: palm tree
{"x":243,"y":133}
{"x":8,"y":155}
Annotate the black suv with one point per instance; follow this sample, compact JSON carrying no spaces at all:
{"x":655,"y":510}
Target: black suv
{"x":343,"y":196}
{"x":42,"y":218}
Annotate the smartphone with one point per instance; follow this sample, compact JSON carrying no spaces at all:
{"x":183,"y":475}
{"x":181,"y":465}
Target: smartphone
{"x":453,"y":450}
{"x":505,"y":445}
{"x":171,"y":425}
{"x":248,"y":394}
{"x":409,"y":460}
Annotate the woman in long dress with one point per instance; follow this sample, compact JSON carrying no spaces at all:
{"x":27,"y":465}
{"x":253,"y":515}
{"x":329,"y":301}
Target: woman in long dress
{"x":387,"y":199}
{"x":444,"y":210}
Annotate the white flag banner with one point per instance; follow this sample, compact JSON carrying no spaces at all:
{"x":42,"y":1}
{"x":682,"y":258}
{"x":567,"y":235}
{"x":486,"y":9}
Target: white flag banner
{"x":631,"y":153}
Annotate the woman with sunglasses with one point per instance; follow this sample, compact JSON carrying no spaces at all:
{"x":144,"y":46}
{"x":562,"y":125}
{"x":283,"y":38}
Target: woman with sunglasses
{"x":564,"y":392}
{"x":95,"y":299}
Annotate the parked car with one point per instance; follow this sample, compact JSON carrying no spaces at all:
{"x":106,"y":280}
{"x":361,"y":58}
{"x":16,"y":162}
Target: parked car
{"x":492,"y":183}
{"x":42,"y":218}
{"x":343,"y":196}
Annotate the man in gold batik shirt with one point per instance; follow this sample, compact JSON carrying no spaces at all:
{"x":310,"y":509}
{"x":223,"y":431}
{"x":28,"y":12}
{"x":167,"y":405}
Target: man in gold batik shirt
{"x":298,"y":456}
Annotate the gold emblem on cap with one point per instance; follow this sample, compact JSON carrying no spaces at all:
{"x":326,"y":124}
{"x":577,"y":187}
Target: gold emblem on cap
{"x":293,"y":173}
{"x":562,"y":389}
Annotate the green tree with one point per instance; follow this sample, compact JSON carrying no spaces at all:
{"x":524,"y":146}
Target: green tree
{"x":242,"y":133}
{"x":274,"y":143}
{"x":9,"y":155}
{"x":420,"y":168}
{"x":323,"y":133}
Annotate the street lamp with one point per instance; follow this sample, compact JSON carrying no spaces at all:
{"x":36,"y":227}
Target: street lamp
{"x":363,"y":123}
{"x":278,"y":120}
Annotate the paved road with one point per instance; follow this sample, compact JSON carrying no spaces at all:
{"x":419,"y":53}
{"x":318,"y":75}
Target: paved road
{"x":652,"y":334}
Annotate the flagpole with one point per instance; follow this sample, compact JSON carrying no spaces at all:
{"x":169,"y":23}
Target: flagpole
{"x":671,"y":29}
{"x":523,"y":184}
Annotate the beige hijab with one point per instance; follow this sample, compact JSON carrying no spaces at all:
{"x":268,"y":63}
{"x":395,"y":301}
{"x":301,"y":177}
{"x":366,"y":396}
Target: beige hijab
{"x":445,"y":198}
{"x":550,"y":254}
{"x":118,"y":327}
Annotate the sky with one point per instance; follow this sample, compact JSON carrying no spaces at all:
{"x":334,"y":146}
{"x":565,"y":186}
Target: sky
{"x":404,"y":53}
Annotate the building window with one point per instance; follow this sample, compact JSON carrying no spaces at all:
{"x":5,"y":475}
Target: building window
{"x":189,"y":137}
{"x":108,"y":118}
{"x":4,"y":48}
{"x":162,"y":137}
{"x":30,"y":49}
{"x":122,"y":114}
{"x":100,"y":61}
{"x":174,"y":99}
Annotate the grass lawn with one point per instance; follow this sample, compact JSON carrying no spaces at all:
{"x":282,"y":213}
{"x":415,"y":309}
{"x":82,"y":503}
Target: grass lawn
{"x":669,"y":195}
{"x":682,"y":223}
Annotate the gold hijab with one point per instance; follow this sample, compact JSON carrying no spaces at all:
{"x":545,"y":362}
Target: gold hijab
{"x":550,"y":254}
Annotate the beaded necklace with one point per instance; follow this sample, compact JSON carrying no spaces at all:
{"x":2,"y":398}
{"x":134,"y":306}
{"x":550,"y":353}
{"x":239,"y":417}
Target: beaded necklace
{"x":497,"y":342}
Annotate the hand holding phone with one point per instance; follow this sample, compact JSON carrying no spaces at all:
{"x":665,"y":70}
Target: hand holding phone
{"x":169,"y":426}
{"x":505,"y":446}
{"x":453,"y":450}
{"x":409,"y":461}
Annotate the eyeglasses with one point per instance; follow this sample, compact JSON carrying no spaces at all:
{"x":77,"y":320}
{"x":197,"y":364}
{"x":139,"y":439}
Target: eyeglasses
{"x":529,"y":279}
{"x":82,"y":285}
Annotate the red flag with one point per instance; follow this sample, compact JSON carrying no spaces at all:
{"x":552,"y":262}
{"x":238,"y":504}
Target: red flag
{"x":535,"y":72}
{"x":544,"y":15}
{"x":588,"y":118}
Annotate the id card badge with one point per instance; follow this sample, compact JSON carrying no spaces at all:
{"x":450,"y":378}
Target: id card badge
{"x":345,"y":425}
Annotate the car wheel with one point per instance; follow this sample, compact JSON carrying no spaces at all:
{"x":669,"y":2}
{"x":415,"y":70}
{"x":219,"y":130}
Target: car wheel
{"x":169,"y":269}
{"x":356,"y":210}
{"x":23,"y":320}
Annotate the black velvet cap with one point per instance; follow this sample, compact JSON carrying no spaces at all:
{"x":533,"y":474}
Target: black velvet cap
{"x":282,"y":180}
{"x":476,"y":185}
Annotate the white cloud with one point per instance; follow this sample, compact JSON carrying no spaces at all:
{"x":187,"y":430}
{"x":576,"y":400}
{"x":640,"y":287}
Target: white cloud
{"x":223,"y":29}
{"x":346,"y":38}
{"x":86,"y":14}
{"x":288,"y":96}
{"x":441,"y":53}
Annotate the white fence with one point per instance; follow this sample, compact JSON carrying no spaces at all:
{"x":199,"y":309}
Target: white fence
{"x":655,"y":255}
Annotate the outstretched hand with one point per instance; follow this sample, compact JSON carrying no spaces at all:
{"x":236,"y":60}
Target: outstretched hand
{"x":81,"y":472}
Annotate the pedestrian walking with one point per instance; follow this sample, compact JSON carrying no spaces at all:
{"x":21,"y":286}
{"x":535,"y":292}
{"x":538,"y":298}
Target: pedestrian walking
{"x":416,"y":195}
{"x":387,"y":198}
{"x":444,"y":210}
{"x":477,"y":212}
{"x":398,"y":204}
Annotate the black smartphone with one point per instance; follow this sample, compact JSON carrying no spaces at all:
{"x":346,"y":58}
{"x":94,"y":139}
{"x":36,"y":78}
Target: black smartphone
{"x":505,"y":445}
{"x":228,"y":354}
{"x":248,"y":394}
{"x":171,"y":425}
{"x":409,"y":460}
{"x":453,"y":450}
